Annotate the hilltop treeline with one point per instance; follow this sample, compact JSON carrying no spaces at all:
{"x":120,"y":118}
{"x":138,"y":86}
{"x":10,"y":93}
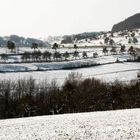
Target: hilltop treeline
{"x":86,"y":35}
{"x":25,"y":98}
{"x":130,"y":23}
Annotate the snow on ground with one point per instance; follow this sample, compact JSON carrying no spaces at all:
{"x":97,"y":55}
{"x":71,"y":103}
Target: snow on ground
{"x":109,"y":125}
{"x":21,"y":67}
{"x":108,"y":73}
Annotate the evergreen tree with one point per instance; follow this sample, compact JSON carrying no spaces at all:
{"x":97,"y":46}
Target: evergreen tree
{"x":11,"y":45}
{"x":106,"y":40}
{"x":34,"y":46}
{"x":105,"y":50}
{"x":122,"y":49}
{"x":55,"y":46}
{"x":135,"y":40}
{"x":76,"y":54}
{"x":111,"y":42}
{"x":113,"y":50}
{"x":66,"y":55}
{"x":84,"y":54}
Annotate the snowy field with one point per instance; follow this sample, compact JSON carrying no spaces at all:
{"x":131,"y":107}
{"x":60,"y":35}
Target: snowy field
{"x":21,"y":67}
{"x":89,"y":51}
{"x":109,"y":125}
{"x":53,"y":71}
{"x":109,"y":73}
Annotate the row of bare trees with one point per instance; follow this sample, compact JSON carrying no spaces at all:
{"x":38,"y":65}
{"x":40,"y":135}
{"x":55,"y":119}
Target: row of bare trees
{"x":47,"y":56}
{"x":122,"y":50}
{"x":56,"y":56}
{"x":24,"y":98}
{"x":11,"y":46}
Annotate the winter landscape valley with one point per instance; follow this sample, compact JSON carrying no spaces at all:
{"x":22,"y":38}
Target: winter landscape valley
{"x":70,"y":70}
{"x":120,"y":65}
{"x":90,"y":60}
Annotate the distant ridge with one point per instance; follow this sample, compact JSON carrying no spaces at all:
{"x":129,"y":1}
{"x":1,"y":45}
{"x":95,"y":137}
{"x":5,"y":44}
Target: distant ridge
{"x":130,"y":23}
{"x":21,"y":41}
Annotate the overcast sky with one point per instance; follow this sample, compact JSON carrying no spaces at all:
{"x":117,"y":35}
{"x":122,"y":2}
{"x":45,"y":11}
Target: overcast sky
{"x":41,"y":18}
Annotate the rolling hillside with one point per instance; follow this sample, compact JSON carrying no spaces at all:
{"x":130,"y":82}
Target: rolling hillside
{"x":110,"y":125}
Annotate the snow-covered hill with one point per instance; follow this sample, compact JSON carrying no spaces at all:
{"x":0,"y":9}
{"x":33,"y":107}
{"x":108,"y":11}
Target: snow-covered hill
{"x":121,"y":37}
{"x":110,"y":125}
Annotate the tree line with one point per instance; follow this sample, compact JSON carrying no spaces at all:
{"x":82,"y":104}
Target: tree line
{"x":57,"y":56}
{"x":24,"y":98}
